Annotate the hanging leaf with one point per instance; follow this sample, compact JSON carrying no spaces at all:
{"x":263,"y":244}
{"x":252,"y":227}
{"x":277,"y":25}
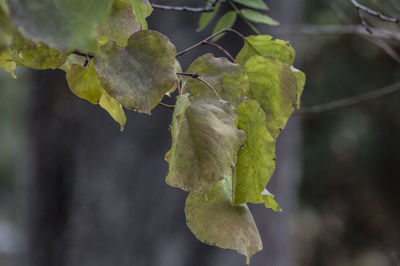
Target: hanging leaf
{"x":7,"y":62}
{"x":121,"y":24}
{"x":258,"y":17}
{"x":216,"y":222}
{"x":61,"y":24}
{"x":301,"y":82}
{"x":141,"y":9}
{"x":83,"y":82}
{"x":256,"y":161}
{"x":207,"y":17}
{"x":228,"y":79}
{"x":205,"y":142}
{"x":35,"y":55}
{"x":265,"y":46}
{"x":274,"y":86}
{"x":113,"y":108}
{"x":256,"y":4}
{"x":139,"y":75}
{"x":226,"y":21}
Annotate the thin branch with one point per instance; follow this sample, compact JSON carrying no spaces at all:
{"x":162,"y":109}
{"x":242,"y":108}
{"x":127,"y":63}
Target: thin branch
{"x":339,"y":29}
{"x":167,"y":106}
{"x":256,"y":31}
{"x":197,"y":77}
{"x":375,"y":13}
{"x":208,"y":8}
{"x":221,"y":49}
{"x":360,"y":98}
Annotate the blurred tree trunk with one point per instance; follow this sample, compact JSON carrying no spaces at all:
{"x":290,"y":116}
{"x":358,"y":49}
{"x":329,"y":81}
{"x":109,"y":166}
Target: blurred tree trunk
{"x":97,"y":197}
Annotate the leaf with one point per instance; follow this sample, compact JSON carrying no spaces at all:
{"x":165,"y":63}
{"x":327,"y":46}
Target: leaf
{"x":7,"y":62}
{"x":6,"y":28}
{"x":83,"y":82}
{"x":205,"y":142}
{"x":139,"y":75}
{"x":141,"y":9}
{"x":258,"y":17}
{"x":121,"y":24}
{"x":36,"y":55}
{"x":274,"y":86}
{"x":256,"y":161}
{"x":207,"y":17}
{"x":113,"y":108}
{"x":256,"y":4}
{"x":228,"y":79}
{"x":264,"y":44}
{"x":216,"y":222}
{"x":61,"y":24}
{"x":301,"y":82}
{"x":226,"y":21}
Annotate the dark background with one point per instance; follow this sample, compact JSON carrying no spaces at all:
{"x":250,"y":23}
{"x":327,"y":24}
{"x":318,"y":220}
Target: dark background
{"x":76,"y":191}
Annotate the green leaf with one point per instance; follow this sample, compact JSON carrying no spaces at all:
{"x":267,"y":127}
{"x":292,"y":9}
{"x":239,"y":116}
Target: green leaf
{"x":83,"y":82}
{"x":7,"y":62}
{"x":36,"y":55}
{"x":256,"y":4}
{"x":265,"y":46}
{"x":61,"y":24}
{"x":121,"y":24}
{"x":256,"y":161}
{"x":258,"y":17}
{"x":216,"y":222}
{"x":205,"y":142}
{"x":274,"y":86}
{"x":139,"y":75}
{"x":226,"y":21}
{"x":301,"y":82}
{"x":228,"y":79}
{"x":6,"y":28}
{"x":206,"y":17}
{"x":141,"y":9}
{"x":113,"y":108}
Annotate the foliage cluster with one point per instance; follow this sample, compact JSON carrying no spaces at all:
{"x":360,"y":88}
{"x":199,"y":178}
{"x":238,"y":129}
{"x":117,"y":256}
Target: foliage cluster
{"x":227,"y":116}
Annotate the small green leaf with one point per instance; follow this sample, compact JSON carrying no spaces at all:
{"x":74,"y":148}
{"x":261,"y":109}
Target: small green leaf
{"x":121,"y":24}
{"x":216,"y":222}
{"x":205,"y":141}
{"x":265,"y":46}
{"x":141,"y":9}
{"x":228,"y":79}
{"x":7,"y":62}
{"x":256,"y":4}
{"x":301,"y":82}
{"x":258,"y":17}
{"x":83,"y":82}
{"x":274,"y":86}
{"x":61,"y":24}
{"x":113,"y":108}
{"x":36,"y":55}
{"x":206,"y":17}
{"x":256,"y":161}
{"x":139,"y":75}
{"x":226,"y":21}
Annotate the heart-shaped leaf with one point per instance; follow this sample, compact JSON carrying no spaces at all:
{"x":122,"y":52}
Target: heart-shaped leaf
{"x":139,"y":75}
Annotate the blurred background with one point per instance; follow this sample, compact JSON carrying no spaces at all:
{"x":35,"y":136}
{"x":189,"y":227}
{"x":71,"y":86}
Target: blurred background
{"x":76,"y":191}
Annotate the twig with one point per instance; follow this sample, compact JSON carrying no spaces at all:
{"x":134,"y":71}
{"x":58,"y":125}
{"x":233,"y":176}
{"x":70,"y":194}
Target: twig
{"x":360,"y":98}
{"x":221,"y":49}
{"x":208,"y":8}
{"x":197,"y":77}
{"x":216,"y":34}
{"x":256,"y":31}
{"x":361,"y":8}
{"x":170,"y":107}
